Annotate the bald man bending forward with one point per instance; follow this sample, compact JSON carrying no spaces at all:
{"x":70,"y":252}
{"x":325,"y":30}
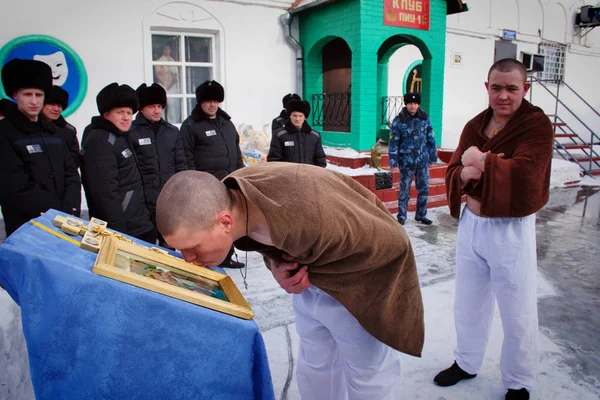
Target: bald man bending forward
{"x":330,"y":242}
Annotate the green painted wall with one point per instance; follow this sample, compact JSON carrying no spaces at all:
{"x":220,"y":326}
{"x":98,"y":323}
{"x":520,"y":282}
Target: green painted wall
{"x":360,"y":24}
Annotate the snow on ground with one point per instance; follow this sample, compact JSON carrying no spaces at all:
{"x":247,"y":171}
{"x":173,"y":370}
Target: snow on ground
{"x":563,"y":172}
{"x":434,"y":249}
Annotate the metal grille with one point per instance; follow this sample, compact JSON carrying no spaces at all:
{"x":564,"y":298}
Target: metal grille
{"x":554,"y":61}
{"x":332,"y":111}
{"x":391,"y":107}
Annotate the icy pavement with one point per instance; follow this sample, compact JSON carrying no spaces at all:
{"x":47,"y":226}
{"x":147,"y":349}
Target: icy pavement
{"x":568,"y":232}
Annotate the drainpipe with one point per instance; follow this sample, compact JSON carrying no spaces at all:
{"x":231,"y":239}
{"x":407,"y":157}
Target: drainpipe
{"x":286,"y":22}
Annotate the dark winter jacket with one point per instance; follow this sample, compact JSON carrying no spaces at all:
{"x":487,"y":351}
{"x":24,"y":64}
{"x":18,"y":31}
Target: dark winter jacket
{"x":412,"y":143}
{"x":69,"y":133}
{"x":295,"y":145}
{"x":211,"y":145}
{"x":111,"y":179}
{"x":36,"y":171}
{"x":159,"y":152}
{"x":279,"y":122}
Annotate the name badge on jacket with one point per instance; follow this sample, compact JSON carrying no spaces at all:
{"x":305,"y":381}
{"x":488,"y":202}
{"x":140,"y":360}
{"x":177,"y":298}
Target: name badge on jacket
{"x":126,"y":153}
{"x":288,"y":144}
{"x":34,"y":148}
{"x":210,"y":133}
{"x":145,"y":141}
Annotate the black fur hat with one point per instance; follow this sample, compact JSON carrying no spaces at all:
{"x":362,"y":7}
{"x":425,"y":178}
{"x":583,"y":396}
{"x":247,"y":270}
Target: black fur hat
{"x":298,"y":105}
{"x":114,"y":96}
{"x":153,"y":94}
{"x":411,"y":97}
{"x":57,"y":95}
{"x":288,"y":97}
{"x":210,"y":90}
{"x":21,"y":74}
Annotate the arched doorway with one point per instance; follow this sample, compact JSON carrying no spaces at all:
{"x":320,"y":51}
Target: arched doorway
{"x":337,"y":78}
{"x":404,"y":64}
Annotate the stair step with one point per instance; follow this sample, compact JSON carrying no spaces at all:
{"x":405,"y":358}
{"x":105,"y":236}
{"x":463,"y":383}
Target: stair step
{"x":558,"y":124}
{"x":565,"y":135}
{"x":582,"y":159}
{"x":575,"y":146}
{"x":432,"y":202}
{"x":596,"y":172}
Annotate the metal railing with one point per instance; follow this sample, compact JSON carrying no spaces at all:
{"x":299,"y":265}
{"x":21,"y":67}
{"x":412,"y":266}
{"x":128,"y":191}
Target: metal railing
{"x":332,"y":111}
{"x":591,"y":154}
{"x":390,"y":108}
{"x":574,"y":142}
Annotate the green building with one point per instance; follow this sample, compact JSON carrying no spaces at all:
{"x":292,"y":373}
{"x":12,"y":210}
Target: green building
{"x":346,"y":46}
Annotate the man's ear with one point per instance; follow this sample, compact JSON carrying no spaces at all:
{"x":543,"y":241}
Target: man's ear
{"x":487,"y":85}
{"x":225,"y":220}
{"x":526,"y":88}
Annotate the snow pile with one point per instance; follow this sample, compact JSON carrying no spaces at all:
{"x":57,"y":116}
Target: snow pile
{"x":589,"y":181}
{"x":344,"y":152}
{"x":365,"y":170}
{"x":564,"y":173}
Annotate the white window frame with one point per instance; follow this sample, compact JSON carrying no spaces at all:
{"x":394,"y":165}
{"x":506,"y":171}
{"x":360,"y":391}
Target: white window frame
{"x":185,"y":19}
{"x":182,"y":64}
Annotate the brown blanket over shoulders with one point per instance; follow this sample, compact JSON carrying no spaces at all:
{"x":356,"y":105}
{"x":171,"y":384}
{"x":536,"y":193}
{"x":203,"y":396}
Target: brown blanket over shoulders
{"x":516,"y":185}
{"x":355,"y":249}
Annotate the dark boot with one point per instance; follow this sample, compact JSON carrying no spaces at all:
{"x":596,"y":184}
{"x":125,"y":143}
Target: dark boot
{"x":401,"y":221}
{"x":424,"y":220}
{"x":514,"y":394}
{"x":452,"y":376}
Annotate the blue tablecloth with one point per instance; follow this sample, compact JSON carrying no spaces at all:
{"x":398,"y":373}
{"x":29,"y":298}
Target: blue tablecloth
{"x":91,"y":337}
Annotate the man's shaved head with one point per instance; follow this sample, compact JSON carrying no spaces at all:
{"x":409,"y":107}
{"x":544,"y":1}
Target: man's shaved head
{"x":191,"y":200}
{"x":507,"y":65}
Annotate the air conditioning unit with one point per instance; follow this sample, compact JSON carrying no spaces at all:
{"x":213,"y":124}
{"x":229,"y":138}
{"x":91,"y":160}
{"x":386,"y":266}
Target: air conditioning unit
{"x":533,"y":62}
{"x":588,"y":17}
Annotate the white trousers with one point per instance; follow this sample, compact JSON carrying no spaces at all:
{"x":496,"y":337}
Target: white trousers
{"x":496,"y":257}
{"x":337,"y":358}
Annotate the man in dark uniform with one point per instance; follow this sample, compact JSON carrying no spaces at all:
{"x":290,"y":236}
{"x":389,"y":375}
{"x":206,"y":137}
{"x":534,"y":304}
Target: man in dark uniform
{"x":297,"y":141}
{"x":55,"y":102}
{"x":157,"y":145}
{"x":36,"y":172}
{"x":283,"y":116}
{"x":210,"y":140}
{"x":110,"y":172}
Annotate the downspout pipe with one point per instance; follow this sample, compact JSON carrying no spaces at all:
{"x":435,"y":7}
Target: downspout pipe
{"x":286,"y":22}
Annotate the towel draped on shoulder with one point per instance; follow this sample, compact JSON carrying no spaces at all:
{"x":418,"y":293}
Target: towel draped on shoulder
{"x":515,"y":185}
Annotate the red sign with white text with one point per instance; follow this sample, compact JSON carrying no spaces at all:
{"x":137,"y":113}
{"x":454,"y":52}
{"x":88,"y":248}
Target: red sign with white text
{"x":406,"y":13}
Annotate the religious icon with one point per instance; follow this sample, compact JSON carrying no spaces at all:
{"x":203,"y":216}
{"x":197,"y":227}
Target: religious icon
{"x":169,"y":275}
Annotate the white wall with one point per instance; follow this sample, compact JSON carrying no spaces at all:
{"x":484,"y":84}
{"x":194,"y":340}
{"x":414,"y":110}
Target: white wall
{"x":259,"y":65}
{"x":473,"y":34}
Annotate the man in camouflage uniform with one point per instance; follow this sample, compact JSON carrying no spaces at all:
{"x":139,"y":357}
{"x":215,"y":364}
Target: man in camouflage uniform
{"x":412,"y":149}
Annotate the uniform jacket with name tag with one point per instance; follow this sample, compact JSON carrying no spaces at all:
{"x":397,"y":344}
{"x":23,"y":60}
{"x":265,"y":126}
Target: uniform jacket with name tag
{"x":302,"y":146}
{"x":211,"y":145}
{"x":36,"y":171}
{"x":159,"y":152}
{"x":112,"y":180}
